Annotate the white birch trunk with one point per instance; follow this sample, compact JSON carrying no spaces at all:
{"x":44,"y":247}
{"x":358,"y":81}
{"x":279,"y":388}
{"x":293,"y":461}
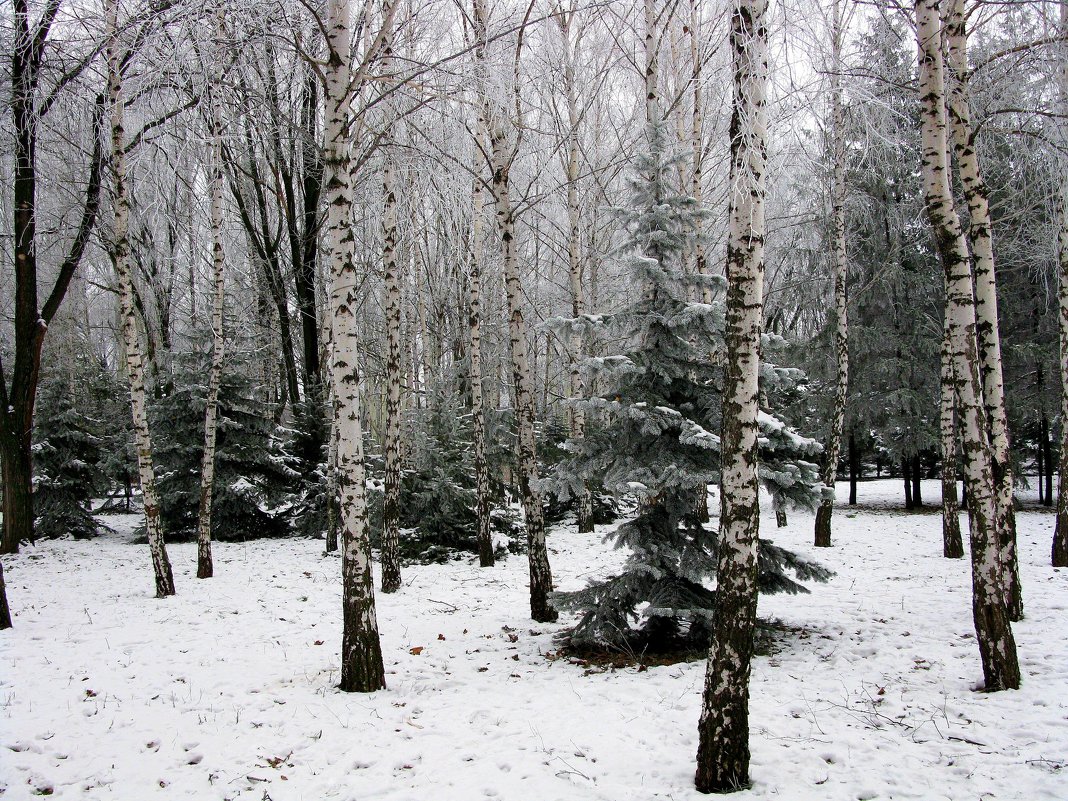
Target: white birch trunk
{"x":1059,"y":551}
{"x":997,"y":647}
{"x":361,"y":650}
{"x":577,"y":421}
{"x":205,"y":568}
{"x":723,"y":750}
{"x":495,"y":122}
{"x":980,"y":238}
{"x":952,"y":545}
{"x":697,"y":144}
{"x":478,"y":410}
{"x":841,"y":266}
{"x":391,"y":568}
{"x":161,"y":565}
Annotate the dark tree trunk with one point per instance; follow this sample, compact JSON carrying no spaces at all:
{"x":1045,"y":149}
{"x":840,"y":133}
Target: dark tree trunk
{"x":17,"y":464}
{"x":702,"y":507}
{"x":1047,"y":458}
{"x":906,"y":475}
{"x":854,"y":469}
{"x":18,"y":388}
{"x":5,"y":612}
{"x":917,"y":475}
{"x":1041,"y":461}
{"x":964,"y":496}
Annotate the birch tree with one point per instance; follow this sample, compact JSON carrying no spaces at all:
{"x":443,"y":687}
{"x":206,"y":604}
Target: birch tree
{"x":997,"y":647}
{"x":361,"y":650}
{"x":391,"y":569}
{"x":570,"y":39}
{"x":1059,"y":551}
{"x":723,"y":749}
{"x":474,"y":375}
{"x":839,"y":322}
{"x":501,"y":128}
{"x":205,"y":568}
{"x":980,"y":238}
{"x":134,"y":363}
{"x":952,"y":545}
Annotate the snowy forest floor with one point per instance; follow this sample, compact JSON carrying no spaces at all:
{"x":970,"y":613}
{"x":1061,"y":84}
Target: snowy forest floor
{"x":229,"y":689}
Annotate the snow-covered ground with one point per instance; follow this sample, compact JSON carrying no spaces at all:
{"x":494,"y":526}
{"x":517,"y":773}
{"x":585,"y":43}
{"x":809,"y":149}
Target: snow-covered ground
{"x":228,"y":690}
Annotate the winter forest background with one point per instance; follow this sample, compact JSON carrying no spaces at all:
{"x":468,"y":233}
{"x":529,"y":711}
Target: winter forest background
{"x":567,"y":312}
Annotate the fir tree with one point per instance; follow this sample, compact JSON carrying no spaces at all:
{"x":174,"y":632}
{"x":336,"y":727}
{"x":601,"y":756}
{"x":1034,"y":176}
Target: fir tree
{"x":253,"y":471}
{"x":657,"y":436}
{"x":66,"y":473}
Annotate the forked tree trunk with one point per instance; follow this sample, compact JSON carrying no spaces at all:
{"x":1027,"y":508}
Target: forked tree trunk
{"x":723,"y":750}
{"x":577,"y":417}
{"x":361,"y":649}
{"x":502,"y":154}
{"x":161,"y":565}
{"x":391,"y":568}
{"x":205,"y":569}
{"x":952,"y":545}
{"x":478,"y":411}
{"x":980,"y":237}
{"x":838,"y":249}
{"x":1059,"y":551}
{"x":997,"y":647}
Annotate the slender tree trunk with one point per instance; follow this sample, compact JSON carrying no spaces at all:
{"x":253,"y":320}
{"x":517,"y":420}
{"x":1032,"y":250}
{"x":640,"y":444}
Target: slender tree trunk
{"x":997,"y":647}
{"x":980,"y":237}
{"x":1059,"y":551}
{"x":501,"y":157}
{"x":1046,"y":444}
{"x":838,"y":248}
{"x":332,"y":509}
{"x":5,"y":611}
{"x":723,"y":750}
{"x":952,"y":545}
{"x":906,"y":477}
{"x":391,"y":504}
{"x":361,"y":650}
{"x":697,"y":145}
{"x":478,"y":411}
{"x":577,"y":417}
{"x":1040,"y":463}
{"x":205,"y":568}
{"x":854,"y":469}
{"x":917,"y":477}
{"x":134,"y":366}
